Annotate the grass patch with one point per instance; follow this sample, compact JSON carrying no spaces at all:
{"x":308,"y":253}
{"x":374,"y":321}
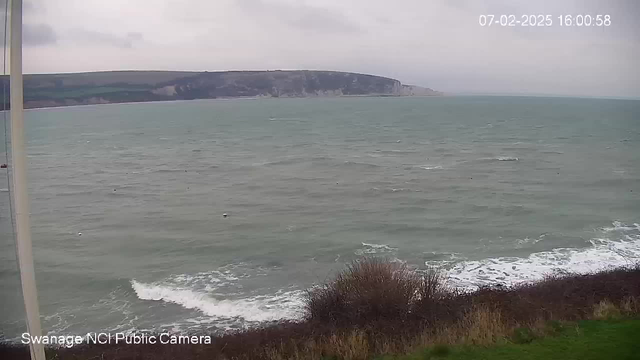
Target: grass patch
{"x":523,"y":335}
{"x":588,"y":340}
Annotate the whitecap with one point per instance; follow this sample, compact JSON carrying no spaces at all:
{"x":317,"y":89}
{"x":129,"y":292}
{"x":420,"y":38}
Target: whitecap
{"x":440,"y":260}
{"x":368,"y":249}
{"x":378,"y":246}
{"x":430,"y":167}
{"x":528,"y":241}
{"x":283,"y":304}
{"x":619,"y":226}
{"x":603,"y":253}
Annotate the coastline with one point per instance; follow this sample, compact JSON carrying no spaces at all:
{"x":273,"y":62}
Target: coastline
{"x":379,"y":308}
{"x":237,"y":99}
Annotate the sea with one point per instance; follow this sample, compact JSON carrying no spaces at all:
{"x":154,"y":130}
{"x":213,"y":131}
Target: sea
{"x":128,"y":202}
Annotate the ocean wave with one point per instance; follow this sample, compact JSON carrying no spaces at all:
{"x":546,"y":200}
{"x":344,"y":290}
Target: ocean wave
{"x":296,"y":119}
{"x":603,"y":253}
{"x":283,"y":304}
{"x":220,"y":298}
{"x":498,"y":158}
{"x":430,"y":167}
{"x":440,"y":259}
{"x":168,"y":170}
{"x":287,"y":161}
{"x":395,"y":152}
{"x":618,"y":226}
{"x":370,"y":249}
{"x":393,"y":190}
{"x":520,"y":243}
{"x":68,"y":319}
{"x":359,"y":165}
{"x":210,"y":280}
{"x":317,"y":160}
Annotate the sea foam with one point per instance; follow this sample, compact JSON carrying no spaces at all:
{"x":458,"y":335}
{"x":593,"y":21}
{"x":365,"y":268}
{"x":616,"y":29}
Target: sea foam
{"x":370,"y":249}
{"x":283,"y":304}
{"x":604,"y":253}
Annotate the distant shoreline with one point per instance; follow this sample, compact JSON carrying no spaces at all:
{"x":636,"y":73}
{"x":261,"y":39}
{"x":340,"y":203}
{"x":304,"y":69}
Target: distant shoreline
{"x":444,"y":95}
{"x":72,"y":89}
{"x":237,"y":99}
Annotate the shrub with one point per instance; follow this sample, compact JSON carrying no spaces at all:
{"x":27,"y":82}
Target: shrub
{"x":353,"y":346}
{"x":437,"y":303}
{"x":432,"y":286}
{"x":605,"y":310}
{"x":368,"y":291}
{"x":483,"y":325}
{"x":631,"y":305}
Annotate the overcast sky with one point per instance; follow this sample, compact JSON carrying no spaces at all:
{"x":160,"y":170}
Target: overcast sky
{"x":436,"y":43}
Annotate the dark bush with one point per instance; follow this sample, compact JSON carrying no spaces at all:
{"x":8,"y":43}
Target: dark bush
{"x":369,"y":290}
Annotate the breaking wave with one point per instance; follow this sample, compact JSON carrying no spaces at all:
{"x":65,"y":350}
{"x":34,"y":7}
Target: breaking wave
{"x":220,"y":299}
{"x":604,"y":253}
{"x":369,"y":249}
{"x":283,"y":304}
{"x":430,"y":167}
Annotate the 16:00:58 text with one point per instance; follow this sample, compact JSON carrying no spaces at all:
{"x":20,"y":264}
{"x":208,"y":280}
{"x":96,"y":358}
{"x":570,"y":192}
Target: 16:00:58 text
{"x":545,"y":20}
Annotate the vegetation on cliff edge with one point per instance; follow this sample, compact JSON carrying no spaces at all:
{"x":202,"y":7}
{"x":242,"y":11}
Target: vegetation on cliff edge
{"x":376,"y":308}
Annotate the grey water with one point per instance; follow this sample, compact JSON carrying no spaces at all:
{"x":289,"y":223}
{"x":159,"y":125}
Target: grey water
{"x":127,"y":201}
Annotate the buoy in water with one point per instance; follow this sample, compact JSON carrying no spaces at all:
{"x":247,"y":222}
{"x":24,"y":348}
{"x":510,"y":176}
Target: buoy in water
{"x":79,"y":234}
{"x":225,"y":215}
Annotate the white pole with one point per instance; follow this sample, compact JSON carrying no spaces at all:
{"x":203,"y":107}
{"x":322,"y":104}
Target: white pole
{"x":23,"y":231}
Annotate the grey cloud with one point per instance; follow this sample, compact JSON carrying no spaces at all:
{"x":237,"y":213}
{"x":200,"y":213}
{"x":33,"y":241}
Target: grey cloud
{"x":134,"y":36}
{"x":91,"y":37}
{"x":299,"y":16}
{"x":436,"y":43}
{"x":38,"y":35}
